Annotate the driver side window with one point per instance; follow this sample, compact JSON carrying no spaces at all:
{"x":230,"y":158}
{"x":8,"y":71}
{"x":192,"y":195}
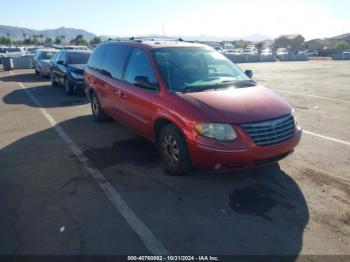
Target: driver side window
{"x":138,"y":65}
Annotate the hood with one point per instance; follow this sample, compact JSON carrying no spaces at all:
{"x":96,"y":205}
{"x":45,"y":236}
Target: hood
{"x":238,"y":105}
{"x":77,"y":68}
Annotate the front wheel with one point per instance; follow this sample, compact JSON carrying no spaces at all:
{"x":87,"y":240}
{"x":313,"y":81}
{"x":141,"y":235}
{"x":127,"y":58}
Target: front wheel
{"x":173,"y":150}
{"x":53,"y":81}
{"x":68,"y":87}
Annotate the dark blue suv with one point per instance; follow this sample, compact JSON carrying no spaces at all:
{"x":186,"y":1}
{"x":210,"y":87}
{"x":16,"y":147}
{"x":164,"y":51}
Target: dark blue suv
{"x":67,"y":69}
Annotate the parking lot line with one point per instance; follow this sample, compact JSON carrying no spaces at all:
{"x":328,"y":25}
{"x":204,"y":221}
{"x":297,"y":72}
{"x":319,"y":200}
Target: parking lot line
{"x":314,"y":96}
{"x":327,"y":137}
{"x":144,"y":233}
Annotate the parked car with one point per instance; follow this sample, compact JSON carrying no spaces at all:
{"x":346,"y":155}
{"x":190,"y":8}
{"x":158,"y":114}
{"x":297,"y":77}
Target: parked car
{"x":218,"y":48}
{"x":198,"y":107}
{"x":282,"y":51}
{"x":311,"y":52}
{"x":236,"y":51}
{"x":32,"y":50}
{"x":250,"y":51}
{"x":67,"y":69}
{"x":266,"y":51}
{"x":13,"y":51}
{"x":42,"y":61}
{"x":346,"y":52}
{"x":76,"y":47}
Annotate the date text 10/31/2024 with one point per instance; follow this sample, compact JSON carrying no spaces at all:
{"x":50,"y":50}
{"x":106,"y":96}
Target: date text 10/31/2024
{"x":173,"y":258}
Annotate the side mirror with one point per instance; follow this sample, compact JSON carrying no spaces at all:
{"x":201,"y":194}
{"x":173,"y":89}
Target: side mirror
{"x":60,"y":62}
{"x":143,"y":82}
{"x":249,"y":73}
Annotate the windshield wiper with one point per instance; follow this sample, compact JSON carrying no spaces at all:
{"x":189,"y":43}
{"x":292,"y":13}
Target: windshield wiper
{"x":216,"y":86}
{"x":198,"y":88}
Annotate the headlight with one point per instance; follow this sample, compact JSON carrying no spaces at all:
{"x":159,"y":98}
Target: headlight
{"x":77,"y":76}
{"x":223,"y":132}
{"x":297,"y":124}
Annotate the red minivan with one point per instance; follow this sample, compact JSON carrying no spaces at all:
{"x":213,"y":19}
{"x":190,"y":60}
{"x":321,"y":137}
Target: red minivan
{"x":198,"y":108}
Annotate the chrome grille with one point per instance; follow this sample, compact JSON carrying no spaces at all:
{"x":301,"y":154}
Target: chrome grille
{"x":271,"y":132}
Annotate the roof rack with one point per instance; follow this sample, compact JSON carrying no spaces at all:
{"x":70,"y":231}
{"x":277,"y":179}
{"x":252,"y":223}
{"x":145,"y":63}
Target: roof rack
{"x":155,"y":38}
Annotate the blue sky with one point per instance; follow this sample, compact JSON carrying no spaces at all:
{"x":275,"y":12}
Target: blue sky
{"x":313,"y":18}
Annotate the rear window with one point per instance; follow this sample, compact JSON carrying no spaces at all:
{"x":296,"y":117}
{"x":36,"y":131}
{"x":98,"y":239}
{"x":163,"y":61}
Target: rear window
{"x":78,"y":58}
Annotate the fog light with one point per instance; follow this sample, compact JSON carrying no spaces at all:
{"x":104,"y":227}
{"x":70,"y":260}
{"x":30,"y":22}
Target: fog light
{"x":217,"y":166}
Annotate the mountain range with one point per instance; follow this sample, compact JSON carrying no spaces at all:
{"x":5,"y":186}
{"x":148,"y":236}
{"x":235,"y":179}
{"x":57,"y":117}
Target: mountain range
{"x":18,"y":33}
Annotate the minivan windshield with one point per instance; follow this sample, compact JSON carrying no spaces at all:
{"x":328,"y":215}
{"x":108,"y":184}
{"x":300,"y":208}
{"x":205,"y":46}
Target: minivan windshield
{"x":196,"y":68}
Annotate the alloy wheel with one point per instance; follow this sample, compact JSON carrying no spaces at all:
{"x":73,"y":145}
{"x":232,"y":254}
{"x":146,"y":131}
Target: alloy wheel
{"x":171,"y":151}
{"x":95,"y":106}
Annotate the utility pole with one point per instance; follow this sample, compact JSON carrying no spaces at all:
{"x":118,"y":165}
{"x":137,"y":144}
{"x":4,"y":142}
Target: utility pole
{"x":163,"y":27}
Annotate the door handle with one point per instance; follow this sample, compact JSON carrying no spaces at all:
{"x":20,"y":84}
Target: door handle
{"x":116,"y":92}
{"x":119,"y":93}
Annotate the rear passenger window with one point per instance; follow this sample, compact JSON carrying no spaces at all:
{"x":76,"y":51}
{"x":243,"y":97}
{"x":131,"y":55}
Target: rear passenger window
{"x":97,"y":58}
{"x":115,"y":59}
{"x":139,"y":65}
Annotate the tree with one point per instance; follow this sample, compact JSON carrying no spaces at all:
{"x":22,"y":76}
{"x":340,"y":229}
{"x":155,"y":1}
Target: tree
{"x":58,"y":40}
{"x":342,"y":45}
{"x":95,"y":41}
{"x":79,"y":40}
{"x":48,"y":41}
{"x":41,"y":38}
{"x":62,"y":37}
{"x":28,"y":41}
{"x":4,"y":40}
{"x":240,"y":43}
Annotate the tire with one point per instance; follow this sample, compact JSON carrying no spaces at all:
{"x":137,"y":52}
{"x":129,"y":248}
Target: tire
{"x":36,"y":71}
{"x":97,"y":111}
{"x":173,"y":150}
{"x":41,"y":74}
{"x":68,"y":87}
{"x":53,"y":81}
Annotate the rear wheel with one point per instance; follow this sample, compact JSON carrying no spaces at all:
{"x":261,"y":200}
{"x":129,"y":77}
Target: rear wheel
{"x":97,"y":111}
{"x":173,"y":150}
{"x":53,"y":81}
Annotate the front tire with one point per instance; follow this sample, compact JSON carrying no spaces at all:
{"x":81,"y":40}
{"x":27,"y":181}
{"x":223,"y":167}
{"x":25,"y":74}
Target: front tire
{"x":53,"y":81}
{"x":173,"y":150}
{"x":97,"y":111}
{"x":68,"y":87}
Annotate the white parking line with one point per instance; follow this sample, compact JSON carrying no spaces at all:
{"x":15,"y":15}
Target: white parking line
{"x":314,"y":96}
{"x":327,"y":137}
{"x":144,"y":233}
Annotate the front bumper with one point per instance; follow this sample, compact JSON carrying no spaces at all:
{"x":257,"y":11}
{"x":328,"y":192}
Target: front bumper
{"x":43,"y":71}
{"x":242,"y":155}
{"x":77,"y":84}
